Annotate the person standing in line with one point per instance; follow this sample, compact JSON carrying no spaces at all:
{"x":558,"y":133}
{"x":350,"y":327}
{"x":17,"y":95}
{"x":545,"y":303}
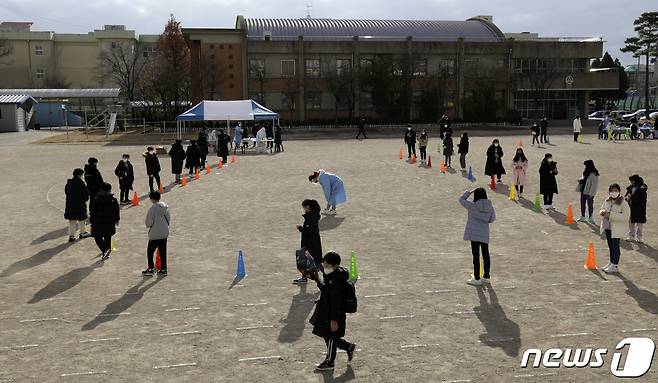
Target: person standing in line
{"x":278,"y":139}
{"x":410,"y":140}
{"x":75,"y":212}
{"x":158,"y":221}
{"x":202,"y":144}
{"x":519,"y":169}
{"x":422,"y":144}
{"x":362,"y":128}
{"x":104,"y":218}
{"x":448,"y":148}
{"x":480,"y":215}
{"x":543,"y":130}
{"x":463,"y":150}
{"x":222,"y":145}
{"x":615,"y":215}
{"x":333,"y":188}
{"x":535,"y":134}
{"x":577,"y":128}
{"x":587,"y":187}
{"x":310,"y":230}
{"x":269,"y":130}
{"x":93,"y":179}
{"x":152,"y":167}
{"x":547,"y":180}
{"x":494,"y":166}
{"x":124,"y":171}
{"x":192,"y":157}
{"x":601,"y":130}
{"x":177,"y":154}
{"x":636,"y":195}
{"x":329,"y":319}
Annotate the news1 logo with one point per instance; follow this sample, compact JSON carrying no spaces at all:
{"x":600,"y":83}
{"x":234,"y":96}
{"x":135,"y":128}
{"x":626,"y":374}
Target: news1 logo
{"x":639,"y":355}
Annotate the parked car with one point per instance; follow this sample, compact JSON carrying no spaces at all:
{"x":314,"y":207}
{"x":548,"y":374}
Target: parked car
{"x":639,"y":114}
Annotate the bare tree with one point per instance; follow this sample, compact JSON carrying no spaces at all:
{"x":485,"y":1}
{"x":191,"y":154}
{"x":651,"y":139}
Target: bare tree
{"x":258,"y":72}
{"x":341,"y":83}
{"x":124,"y":64}
{"x":290,"y":96}
{"x":538,"y":78}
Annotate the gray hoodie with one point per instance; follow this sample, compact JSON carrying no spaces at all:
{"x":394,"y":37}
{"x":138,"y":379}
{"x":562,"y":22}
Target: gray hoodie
{"x":480,"y":214}
{"x":158,"y":221}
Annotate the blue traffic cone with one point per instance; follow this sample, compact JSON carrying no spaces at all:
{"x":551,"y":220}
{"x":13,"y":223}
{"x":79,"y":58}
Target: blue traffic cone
{"x":241,"y":272}
{"x":470,"y":174}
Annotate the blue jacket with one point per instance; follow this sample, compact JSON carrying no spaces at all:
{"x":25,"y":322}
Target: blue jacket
{"x":480,"y":215}
{"x":334,"y":190}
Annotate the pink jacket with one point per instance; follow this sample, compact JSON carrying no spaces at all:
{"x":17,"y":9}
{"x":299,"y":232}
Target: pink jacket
{"x":518,"y":172}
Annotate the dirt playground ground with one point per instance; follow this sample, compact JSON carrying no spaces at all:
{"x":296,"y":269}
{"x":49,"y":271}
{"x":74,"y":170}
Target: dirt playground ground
{"x":67,"y":317}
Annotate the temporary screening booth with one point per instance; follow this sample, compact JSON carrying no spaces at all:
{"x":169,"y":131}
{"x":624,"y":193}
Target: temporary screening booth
{"x":238,"y":110}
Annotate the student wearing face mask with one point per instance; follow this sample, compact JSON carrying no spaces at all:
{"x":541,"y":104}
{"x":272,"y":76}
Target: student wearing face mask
{"x":333,"y":188}
{"x":615,"y":215}
{"x":577,"y":128}
{"x":410,"y":140}
{"x":547,"y":180}
{"x":126,"y":175}
{"x":494,"y":166}
{"x":480,"y":214}
{"x":587,"y":187}
{"x":519,"y":166}
{"x":310,"y":230}
{"x":448,"y":148}
{"x":636,"y":195}
{"x":329,"y":319}
{"x":152,"y":167}
{"x":422,"y":144}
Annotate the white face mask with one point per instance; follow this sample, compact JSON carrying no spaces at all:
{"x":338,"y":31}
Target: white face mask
{"x":496,"y":145}
{"x":614,"y":195}
{"x":408,"y":128}
{"x":329,"y":269}
{"x":549,"y":160}
{"x":125,"y":160}
{"x":151,"y":151}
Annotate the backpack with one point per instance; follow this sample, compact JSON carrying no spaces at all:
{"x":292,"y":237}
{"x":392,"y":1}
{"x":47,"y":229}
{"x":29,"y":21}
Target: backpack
{"x":349,"y":298}
{"x":305,"y":261}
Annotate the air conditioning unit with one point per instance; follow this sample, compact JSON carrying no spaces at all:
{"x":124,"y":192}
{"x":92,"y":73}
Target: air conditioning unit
{"x":267,"y":35}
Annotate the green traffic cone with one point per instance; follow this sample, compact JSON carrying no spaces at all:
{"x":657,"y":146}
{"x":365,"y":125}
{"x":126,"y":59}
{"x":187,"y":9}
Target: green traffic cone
{"x":354,"y":274}
{"x":538,"y":203}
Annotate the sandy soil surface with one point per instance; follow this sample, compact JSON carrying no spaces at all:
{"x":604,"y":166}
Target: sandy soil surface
{"x":66,"y":316}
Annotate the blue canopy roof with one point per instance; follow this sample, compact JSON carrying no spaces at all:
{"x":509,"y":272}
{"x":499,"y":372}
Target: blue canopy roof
{"x":239,"y":110}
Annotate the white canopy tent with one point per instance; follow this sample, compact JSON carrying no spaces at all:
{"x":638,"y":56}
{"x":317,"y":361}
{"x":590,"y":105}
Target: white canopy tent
{"x":238,"y":110}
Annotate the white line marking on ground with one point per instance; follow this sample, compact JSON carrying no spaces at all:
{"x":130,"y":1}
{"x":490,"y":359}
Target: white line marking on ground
{"x":456,"y":381}
{"x":183,"y":309}
{"x":38,"y":320}
{"x":176,"y":365}
{"x":566,"y":335}
{"x":260,"y":358}
{"x":397,"y":317}
{"x":48,"y":197}
{"x":98,"y":340}
{"x":20,"y":347}
{"x":536,"y":375}
{"x":544,"y":232}
{"x":380,"y":295}
{"x":640,"y":329}
{"x":253,"y":327}
{"x":597,"y":304}
{"x":439,"y":291}
{"x":181,"y":333}
{"x":84,"y":373}
{"x":463,"y":312}
{"x":251,"y":304}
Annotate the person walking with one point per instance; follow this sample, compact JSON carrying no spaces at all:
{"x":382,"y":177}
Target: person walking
{"x":126,"y":175}
{"x":361,"y":124}
{"x":152,"y":167}
{"x":448,"y":149}
{"x":158,"y":222}
{"x":494,"y":166}
{"x":587,"y":186}
{"x":535,"y":134}
{"x":519,"y":169}
{"x":329,"y":319}
{"x":636,"y":195}
{"x":93,"y":179}
{"x":333,"y":188}
{"x":177,"y":154}
{"x":543,"y":130}
{"x":577,"y":128}
{"x":547,"y":180}
{"x":615,"y":214}
{"x":222,"y":145}
{"x":278,"y":139}
{"x":192,"y":157}
{"x":310,"y":230}
{"x":422,"y":144}
{"x":410,"y":140}
{"x":75,"y":211}
{"x":104,"y":218}
{"x":463,"y":150}
{"x":480,"y":215}
{"x":202,"y":144}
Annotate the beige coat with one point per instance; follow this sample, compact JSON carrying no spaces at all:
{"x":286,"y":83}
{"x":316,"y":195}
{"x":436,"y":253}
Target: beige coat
{"x":618,"y":219}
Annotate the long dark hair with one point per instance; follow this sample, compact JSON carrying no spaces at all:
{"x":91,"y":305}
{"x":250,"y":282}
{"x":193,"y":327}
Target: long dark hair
{"x":479,"y":194}
{"x":589,"y":169}
{"x":520,"y":156}
{"x":464,"y":137}
{"x":313,"y":205}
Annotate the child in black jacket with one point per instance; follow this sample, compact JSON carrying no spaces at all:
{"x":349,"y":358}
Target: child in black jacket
{"x":125,"y":174}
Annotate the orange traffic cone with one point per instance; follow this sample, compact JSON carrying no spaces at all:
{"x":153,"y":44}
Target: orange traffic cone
{"x":443,"y":166}
{"x":570,"y":214}
{"x":161,"y":188}
{"x":400,"y":151}
{"x":183,"y":180}
{"x":493,"y":183}
{"x":590,"y":263}
{"x":233,"y":158}
{"x":158,"y":261}
{"x":520,"y":143}
{"x":197,"y":175}
{"x":135,"y":199}
{"x":207,"y":168}
{"x":429,"y":161}
{"x":221,"y":163}
{"x":413,"y":158}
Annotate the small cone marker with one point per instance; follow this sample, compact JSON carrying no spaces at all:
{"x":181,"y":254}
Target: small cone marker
{"x":493,"y":183}
{"x":512,"y":193}
{"x":470,"y":174}
{"x":161,"y":188}
{"x":429,"y":161}
{"x":413,"y":158}
{"x":400,"y":151}
{"x":570,"y":220}
{"x":183,"y":181}
{"x":113,"y":245}
{"x":590,"y":262}
{"x":443,"y":166}
{"x":233,"y":158}
{"x":354,"y":274}
{"x":520,"y":143}
{"x":158,"y":261}
{"x":221,"y":164}
{"x":537,"y":206}
{"x":135,"y":199}
{"x":241,"y":272}
{"x":207,"y":168}
{"x":197,"y":175}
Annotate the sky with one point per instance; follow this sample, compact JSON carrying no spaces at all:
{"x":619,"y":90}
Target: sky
{"x":612,"y":20}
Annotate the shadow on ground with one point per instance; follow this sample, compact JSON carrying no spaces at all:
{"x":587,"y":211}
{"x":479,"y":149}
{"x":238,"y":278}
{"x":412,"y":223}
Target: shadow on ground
{"x":51,"y":235}
{"x":301,"y":306}
{"x":328,"y":376}
{"x":501,"y":332}
{"x":329,"y":222}
{"x":647,"y":300}
{"x":65,"y":282}
{"x":37,"y":259}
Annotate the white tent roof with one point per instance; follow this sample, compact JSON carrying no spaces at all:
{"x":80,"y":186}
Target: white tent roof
{"x":239,"y":110}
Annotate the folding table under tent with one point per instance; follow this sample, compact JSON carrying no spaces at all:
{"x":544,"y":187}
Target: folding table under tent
{"x":239,"y":110}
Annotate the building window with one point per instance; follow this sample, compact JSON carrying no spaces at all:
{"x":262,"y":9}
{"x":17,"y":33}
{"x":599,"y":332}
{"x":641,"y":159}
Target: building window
{"x":230,"y":66}
{"x":343,"y":65}
{"x":230,"y":86}
{"x":212,"y":57}
{"x":287,"y":68}
{"x":230,"y":57}
{"x":287,"y":101}
{"x":40,"y":73}
{"x":256,"y":68}
{"x":212,"y":46}
{"x":312,"y":68}
{"x":38,"y":50}
{"x":230,"y":75}
{"x":314,"y":100}
{"x":221,"y":46}
{"x":230,"y":46}
{"x":447,"y":66}
{"x":148,"y":51}
{"x":114,"y":44}
{"x":420,"y":67}
{"x":397,"y":69}
{"x":366,"y":64}
{"x":471,"y":67}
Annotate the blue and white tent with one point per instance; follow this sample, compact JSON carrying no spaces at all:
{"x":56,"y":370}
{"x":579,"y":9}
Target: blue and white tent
{"x":240,"y":110}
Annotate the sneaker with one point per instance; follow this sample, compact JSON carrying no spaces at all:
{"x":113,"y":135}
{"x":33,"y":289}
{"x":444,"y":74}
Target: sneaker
{"x":629,"y":239}
{"x":331,"y":212}
{"x":350,"y":352}
{"x":520,"y":195}
{"x":611,"y":269}
{"x":592,"y":221}
{"x":324,"y":366}
{"x":581,"y":218}
{"x":486,"y":280}
{"x":106,"y":254}
{"x":162,"y":272}
{"x":639,"y":240}
{"x":300,"y":281}
{"x":85,"y":235}
{"x":148,"y":272}
{"x":71,"y":239}
{"x":551,"y":207}
{"x":474,"y":282}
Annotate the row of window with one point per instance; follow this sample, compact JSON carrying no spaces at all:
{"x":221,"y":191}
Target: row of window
{"x":147,"y":50}
{"x":539,"y":65}
{"x":221,"y":46}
